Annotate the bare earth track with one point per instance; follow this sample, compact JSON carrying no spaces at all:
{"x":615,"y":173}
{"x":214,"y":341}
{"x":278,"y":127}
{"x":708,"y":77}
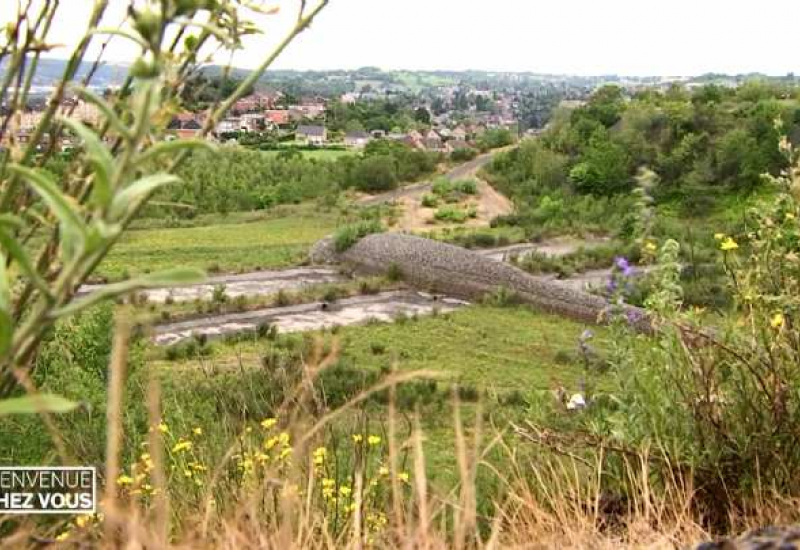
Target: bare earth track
{"x":415,"y":217}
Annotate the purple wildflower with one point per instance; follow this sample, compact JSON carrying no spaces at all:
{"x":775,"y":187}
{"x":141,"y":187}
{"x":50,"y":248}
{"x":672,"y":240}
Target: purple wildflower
{"x":624,"y":266}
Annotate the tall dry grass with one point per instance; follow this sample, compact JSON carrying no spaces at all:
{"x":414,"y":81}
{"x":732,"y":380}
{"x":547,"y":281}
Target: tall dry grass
{"x":551,"y":498}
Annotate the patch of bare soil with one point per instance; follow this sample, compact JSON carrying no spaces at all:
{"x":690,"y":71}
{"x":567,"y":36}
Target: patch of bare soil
{"x":414,"y":217}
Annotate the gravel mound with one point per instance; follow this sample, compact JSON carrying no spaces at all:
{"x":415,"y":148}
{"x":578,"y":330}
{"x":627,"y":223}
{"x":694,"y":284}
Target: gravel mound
{"x":774,"y":538}
{"x":448,"y":269}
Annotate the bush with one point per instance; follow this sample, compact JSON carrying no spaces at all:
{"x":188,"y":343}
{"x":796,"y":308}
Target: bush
{"x":394,"y":273}
{"x":347,"y":236}
{"x":429,"y":201}
{"x":375,"y":174}
{"x":451,"y":214}
{"x":467,"y":187}
{"x":717,"y":402}
{"x":441,"y":186}
{"x":463,"y":154}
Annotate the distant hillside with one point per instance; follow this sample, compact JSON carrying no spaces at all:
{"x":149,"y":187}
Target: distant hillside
{"x":336,"y":82}
{"x":49,"y":71}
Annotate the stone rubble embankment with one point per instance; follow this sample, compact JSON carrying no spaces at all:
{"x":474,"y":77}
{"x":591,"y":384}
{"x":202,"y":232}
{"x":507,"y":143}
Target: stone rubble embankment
{"x":452,"y":270}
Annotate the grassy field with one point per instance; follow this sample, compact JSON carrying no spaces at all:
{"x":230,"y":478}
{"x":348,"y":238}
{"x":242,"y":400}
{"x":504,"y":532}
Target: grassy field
{"x":496,"y":353}
{"x":492,"y":348}
{"x":222,"y":245}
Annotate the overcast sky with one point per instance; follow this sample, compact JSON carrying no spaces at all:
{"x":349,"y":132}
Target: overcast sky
{"x":588,"y":37}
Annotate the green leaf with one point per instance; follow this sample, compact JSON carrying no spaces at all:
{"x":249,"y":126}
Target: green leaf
{"x":5,"y":289}
{"x":19,"y":255}
{"x":170,"y":277}
{"x":108,"y":112}
{"x":33,"y":404}
{"x":101,"y":160}
{"x":174,"y":147}
{"x":6,"y":332}
{"x":137,"y":191}
{"x":122,"y":33}
{"x":58,"y":202}
{"x":11,"y":221}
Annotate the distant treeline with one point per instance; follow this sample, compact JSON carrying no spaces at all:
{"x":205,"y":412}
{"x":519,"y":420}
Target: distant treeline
{"x":703,"y":145}
{"x":696,"y":142}
{"x":236,"y":179}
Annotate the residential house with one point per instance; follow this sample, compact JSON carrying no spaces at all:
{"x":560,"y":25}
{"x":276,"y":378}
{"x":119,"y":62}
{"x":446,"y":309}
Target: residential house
{"x":277,"y":117}
{"x":252,"y":122}
{"x":311,"y":135}
{"x":256,"y":102}
{"x":357,"y":139}
{"x":228,"y":125}
{"x":459,"y":133}
{"x":310,"y":109}
{"x":433,"y":142}
{"x":185,"y":125}
{"x":455,"y":144}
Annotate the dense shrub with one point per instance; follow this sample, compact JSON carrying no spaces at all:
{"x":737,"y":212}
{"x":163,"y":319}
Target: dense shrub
{"x":451,"y":214}
{"x":463,"y":154}
{"x":347,"y":236}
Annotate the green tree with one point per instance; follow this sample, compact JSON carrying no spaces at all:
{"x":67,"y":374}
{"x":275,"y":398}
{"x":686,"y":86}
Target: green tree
{"x":603,"y":169}
{"x":422,"y":115}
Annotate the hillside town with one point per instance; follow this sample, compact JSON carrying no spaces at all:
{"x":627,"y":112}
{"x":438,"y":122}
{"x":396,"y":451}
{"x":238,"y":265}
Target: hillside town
{"x":441,"y":113}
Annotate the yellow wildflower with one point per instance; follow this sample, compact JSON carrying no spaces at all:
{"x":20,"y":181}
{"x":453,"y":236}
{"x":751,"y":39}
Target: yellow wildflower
{"x":650,"y":246}
{"x":187,"y":473}
{"x":124,"y":480}
{"x":383,"y":470}
{"x":162,"y":427}
{"x":345,"y":491}
{"x":283,"y":438}
{"x":63,"y":536}
{"x":182,"y":445}
{"x":719,"y":236}
{"x":82,"y":521}
{"x":270,"y":443}
{"x":268,"y":423}
{"x":789,"y":216}
{"x":198,"y":431}
{"x":358,"y":438}
{"x":403,"y":476}
{"x":284,"y":453}
{"x":328,"y":482}
{"x":728,"y":244}
{"x":319,"y":455}
{"x":374,"y":440}
{"x":777,"y":320}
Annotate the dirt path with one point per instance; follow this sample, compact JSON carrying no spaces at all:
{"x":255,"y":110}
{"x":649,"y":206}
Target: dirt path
{"x":384,"y":307}
{"x":257,"y":283}
{"x":466,"y":170}
{"x":558,"y":246}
